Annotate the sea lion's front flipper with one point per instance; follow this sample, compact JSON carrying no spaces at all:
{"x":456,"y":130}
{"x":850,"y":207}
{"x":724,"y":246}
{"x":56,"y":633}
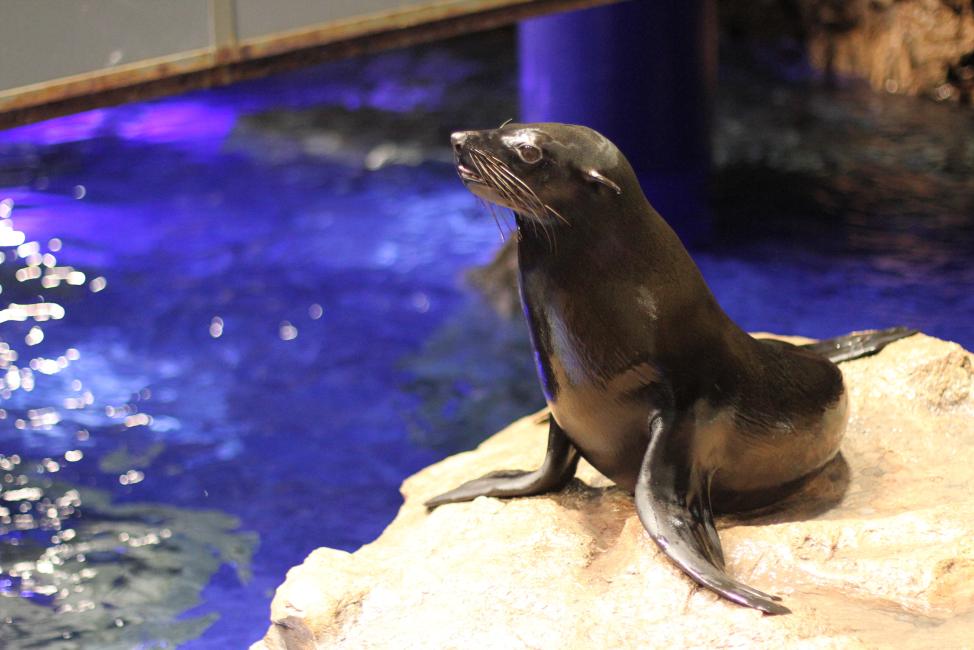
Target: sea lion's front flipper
{"x":557,"y":469}
{"x":673,"y":502}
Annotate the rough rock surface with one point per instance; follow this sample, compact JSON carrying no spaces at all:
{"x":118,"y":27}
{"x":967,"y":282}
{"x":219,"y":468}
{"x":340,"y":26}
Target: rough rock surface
{"x":902,"y":46}
{"x":877,"y":552}
{"x":916,"y":47}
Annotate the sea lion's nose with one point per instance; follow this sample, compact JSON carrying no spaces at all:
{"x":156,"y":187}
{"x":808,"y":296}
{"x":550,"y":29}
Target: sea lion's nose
{"x":459,"y":139}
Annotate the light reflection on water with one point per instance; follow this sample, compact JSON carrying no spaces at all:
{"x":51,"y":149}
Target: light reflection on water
{"x":239,"y":339}
{"x":76,"y":569}
{"x":81,"y":571}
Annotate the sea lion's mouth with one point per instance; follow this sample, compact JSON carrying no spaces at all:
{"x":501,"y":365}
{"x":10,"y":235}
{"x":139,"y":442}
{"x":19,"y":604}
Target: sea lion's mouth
{"x":468,"y":175}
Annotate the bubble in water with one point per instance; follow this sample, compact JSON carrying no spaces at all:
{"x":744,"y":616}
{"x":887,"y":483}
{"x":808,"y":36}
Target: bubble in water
{"x":288,"y":332}
{"x":34,"y":336}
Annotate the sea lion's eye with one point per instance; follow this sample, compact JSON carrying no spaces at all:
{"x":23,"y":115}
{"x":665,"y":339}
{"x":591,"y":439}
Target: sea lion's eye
{"x":529,"y":153}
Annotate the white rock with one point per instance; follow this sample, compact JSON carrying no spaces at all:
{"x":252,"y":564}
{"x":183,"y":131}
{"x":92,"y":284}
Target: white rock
{"x":878,"y":551}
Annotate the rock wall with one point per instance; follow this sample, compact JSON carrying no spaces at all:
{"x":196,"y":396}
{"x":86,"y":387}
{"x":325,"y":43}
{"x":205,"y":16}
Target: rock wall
{"x":877,"y":552}
{"x":916,"y":47}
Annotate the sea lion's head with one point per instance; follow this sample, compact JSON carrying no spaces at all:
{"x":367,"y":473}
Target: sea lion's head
{"x":539,"y":170}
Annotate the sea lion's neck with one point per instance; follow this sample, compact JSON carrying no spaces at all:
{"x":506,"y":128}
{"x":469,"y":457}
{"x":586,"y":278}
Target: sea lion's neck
{"x":600,"y":240}
{"x":605,"y":284}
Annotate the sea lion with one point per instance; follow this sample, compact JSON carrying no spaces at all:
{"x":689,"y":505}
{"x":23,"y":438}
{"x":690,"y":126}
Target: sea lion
{"x":645,"y":375}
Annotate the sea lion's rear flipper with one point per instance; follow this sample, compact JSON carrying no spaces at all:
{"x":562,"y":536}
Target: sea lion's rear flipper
{"x":858,"y":344}
{"x":557,"y":469}
{"x":673,"y":502}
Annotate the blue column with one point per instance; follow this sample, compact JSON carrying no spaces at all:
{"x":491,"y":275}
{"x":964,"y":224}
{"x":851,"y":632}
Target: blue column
{"x":641,"y":72}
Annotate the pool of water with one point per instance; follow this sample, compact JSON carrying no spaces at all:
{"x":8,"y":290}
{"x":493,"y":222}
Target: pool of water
{"x":235,"y":320}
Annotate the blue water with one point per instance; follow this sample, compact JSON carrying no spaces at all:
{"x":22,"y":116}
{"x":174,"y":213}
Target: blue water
{"x":273,"y":330}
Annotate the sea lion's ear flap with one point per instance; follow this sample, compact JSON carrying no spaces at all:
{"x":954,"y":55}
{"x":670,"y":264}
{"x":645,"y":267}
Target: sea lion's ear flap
{"x":599,"y":178}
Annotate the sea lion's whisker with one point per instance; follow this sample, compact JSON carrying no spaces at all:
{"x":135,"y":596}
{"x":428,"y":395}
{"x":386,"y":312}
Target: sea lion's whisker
{"x":505,"y":219}
{"x":512,"y":179}
{"x":516,"y":196}
{"x":513,"y":193}
{"x":499,"y":176}
{"x":554,"y":238}
{"x":490,"y":170}
{"x":487,"y":171}
{"x":538,"y":206}
{"x":502,"y":183}
{"x":535,"y":224}
{"x":557,"y":214}
{"x":490,"y":208}
{"x":527,"y":198}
